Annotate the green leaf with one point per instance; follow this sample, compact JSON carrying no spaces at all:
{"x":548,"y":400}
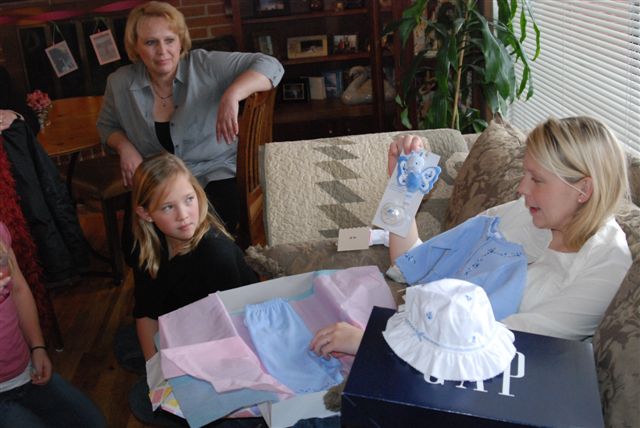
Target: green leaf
{"x":416,"y":10}
{"x":536,"y":30}
{"x":498,"y":63}
{"x":404,"y":118}
{"x":514,"y":9}
{"x":442,"y":67}
{"x":523,"y":26}
{"x":405,"y":30}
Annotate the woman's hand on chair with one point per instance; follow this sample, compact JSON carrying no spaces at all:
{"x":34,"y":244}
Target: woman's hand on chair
{"x":129,"y":160}
{"x":227,"y":120}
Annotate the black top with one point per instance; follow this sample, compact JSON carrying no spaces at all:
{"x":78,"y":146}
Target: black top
{"x":216,"y":264}
{"x":163,"y":132}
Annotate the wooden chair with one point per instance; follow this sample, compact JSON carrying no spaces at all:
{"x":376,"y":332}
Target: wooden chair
{"x":96,"y":179}
{"x":256,"y":126}
{"x":100,"y":179}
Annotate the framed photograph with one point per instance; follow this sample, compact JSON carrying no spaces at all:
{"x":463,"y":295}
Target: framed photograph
{"x":353,"y":4}
{"x":61,"y":59}
{"x":295,"y":90}
{"x":333,"y":83}
{"x":263,"y":43}
{"x":308,"y":46}
{"x":271,"y":7}
{"x":347,"y":43}
{"x":105,"y":47}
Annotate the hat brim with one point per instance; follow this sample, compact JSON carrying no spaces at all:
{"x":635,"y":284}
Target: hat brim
{"x":447,"y":364}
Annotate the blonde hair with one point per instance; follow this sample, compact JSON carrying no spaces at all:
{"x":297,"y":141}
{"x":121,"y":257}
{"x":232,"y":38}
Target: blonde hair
{"x":577,"y":147}
{"x":5,"y":249}
{"x":150,"y":183}
{"x":174,"y":17}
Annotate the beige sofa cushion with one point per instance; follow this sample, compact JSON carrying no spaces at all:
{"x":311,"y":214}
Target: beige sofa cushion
{"x":490,"y":174}
{"x":633,"y":165}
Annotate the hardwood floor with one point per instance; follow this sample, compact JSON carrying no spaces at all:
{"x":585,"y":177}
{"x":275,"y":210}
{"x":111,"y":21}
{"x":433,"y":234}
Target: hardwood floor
{"x":89,"y":313}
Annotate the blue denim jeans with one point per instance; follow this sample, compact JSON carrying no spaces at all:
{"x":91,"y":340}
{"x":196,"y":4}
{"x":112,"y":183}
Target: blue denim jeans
{"x":56,"y":404}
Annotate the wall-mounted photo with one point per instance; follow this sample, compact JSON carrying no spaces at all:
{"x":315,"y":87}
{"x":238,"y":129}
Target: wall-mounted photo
{"x":307,"y":46}
{"x":61,"y":59}
{"x":347,"y":43}
{"x":105,"y":47}
{"x":271,"y":7}
{"x":296,"y":90}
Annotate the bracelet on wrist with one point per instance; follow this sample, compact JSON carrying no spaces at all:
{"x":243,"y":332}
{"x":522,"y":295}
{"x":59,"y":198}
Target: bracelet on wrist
{"x":33,"y":348}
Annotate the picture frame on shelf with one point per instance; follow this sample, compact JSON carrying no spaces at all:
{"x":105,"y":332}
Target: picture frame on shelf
{"x":264,"y":43}
{"x":353,"y":4}
{"x":295,"y":90}
{"x":345,"y":43}
{"x":307,"y":46}
{"x":333,"y":83}
{"x":271,"y":7}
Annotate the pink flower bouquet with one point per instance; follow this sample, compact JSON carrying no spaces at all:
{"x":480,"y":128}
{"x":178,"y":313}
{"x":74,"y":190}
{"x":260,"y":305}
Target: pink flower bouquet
{"x":38,"y":100}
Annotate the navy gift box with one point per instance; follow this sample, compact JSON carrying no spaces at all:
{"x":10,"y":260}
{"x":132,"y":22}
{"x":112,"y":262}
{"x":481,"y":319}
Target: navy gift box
{"x":551,"y":382}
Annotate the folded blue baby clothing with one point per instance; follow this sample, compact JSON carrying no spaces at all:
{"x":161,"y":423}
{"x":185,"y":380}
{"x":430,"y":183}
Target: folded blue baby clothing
{"x":474,"y":251}
{"x":201,"y":404}
{"x":281,"y":340}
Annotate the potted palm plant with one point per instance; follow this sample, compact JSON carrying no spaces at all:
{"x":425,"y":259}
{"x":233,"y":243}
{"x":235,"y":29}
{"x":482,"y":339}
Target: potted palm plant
{"x":471,"y":53}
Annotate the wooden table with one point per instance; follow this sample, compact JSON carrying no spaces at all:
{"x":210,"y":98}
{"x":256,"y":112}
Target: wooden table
{"x":73,"y":126}
{"x":72,"y":129}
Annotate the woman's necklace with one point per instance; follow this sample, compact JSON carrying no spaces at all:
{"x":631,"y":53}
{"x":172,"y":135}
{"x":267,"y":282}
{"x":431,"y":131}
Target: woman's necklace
{"x":163,"y":100}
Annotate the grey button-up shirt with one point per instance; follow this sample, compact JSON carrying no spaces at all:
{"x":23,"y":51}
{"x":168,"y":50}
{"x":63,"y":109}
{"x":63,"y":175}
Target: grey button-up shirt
{"x":201,"y":79}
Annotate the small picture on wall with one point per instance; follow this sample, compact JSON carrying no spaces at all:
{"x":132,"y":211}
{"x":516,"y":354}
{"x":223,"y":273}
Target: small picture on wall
{"x":295,"y":90}
{"x":347,"y":43}
{"x":61,"y":59}
{"x":105,"y":47}
{"x":271,"y":7}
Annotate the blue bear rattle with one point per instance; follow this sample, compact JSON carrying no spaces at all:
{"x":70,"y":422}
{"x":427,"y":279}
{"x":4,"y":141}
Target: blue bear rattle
{"x":413,"y":173}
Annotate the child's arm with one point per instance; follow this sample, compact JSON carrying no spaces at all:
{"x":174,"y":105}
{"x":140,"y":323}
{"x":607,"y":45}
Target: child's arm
{"x":404,"y":143}
{"x":147,"y":329}
{"x":29,"y":324}
{"x":340,"y":337}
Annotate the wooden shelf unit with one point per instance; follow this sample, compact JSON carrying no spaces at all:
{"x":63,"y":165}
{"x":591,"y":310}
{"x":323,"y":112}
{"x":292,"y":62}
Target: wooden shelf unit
{"x":331,"y":117}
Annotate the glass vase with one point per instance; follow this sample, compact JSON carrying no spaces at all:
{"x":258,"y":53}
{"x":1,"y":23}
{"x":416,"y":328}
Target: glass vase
{"x":43,"y":117}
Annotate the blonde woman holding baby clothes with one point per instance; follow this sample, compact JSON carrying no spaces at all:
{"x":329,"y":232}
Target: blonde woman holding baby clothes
{"x":574,"y":178}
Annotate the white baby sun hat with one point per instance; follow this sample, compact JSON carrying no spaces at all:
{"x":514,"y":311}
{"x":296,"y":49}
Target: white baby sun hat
{"x":447,"y":330}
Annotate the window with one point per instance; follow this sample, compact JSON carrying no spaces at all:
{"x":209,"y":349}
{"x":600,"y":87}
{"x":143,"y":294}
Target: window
{"x":589,"y":65}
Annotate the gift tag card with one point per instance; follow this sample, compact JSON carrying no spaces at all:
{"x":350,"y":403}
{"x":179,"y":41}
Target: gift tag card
{"x":356,"y":238}
{"x":413,"y":177}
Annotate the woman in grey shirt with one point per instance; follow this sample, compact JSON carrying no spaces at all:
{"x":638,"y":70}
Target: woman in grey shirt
{"x":170,"y":98}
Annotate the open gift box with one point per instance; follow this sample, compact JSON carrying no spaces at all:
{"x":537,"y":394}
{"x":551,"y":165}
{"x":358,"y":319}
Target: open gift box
{"x":208,"y":343}
{"x":551,"y":382}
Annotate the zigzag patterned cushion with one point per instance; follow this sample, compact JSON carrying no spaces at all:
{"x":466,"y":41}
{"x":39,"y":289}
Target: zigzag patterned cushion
{"x":316,"y":187}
